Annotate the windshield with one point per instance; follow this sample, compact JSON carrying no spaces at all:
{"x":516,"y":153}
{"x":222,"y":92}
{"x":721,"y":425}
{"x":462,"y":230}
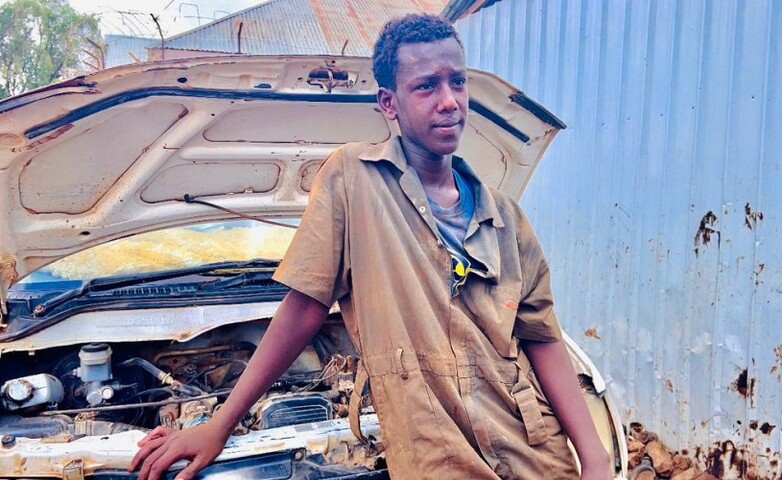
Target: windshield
{"x":171,"y":249}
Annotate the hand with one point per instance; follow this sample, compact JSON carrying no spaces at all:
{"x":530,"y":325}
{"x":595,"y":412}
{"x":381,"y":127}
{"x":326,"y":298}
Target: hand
{"x":163,"y":447}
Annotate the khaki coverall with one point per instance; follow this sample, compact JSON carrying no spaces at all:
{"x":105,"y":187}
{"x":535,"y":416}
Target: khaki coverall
{"x":452,"y":390}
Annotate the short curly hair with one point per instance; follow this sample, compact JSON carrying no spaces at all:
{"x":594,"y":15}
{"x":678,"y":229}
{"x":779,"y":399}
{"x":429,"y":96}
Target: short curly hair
{"x":412,"y":28}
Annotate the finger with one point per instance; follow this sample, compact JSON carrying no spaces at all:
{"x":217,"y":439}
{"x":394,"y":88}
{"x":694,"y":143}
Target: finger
{"x":144,"y":453}
{"x":153,"y":457}
{"x":160,"y":466}
{"x":156,"y":433}
{"x":191,"y":470}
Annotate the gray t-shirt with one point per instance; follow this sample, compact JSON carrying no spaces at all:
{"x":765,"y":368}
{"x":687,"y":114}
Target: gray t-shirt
{"x":452,"y":223}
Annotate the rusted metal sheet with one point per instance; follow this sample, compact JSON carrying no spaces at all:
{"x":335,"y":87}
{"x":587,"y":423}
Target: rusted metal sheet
{"x":660,"y":207}
{"x":347,"y":27}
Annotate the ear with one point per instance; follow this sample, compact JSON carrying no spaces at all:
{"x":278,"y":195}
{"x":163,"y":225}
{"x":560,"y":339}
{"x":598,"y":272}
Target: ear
{"x":386,"y":99}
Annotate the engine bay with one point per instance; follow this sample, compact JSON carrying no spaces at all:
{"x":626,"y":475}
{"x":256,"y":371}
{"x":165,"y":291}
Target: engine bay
{"x":102,"y":389}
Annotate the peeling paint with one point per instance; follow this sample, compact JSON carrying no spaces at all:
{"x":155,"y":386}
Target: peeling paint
{"x":758,"y":270}
{"x":592,"y":333}
{"x":57,"y":133}
{"x":767,"y":428}
{"x":778,"y":367}
{"x":725,"y":460}
{"x":751,"y":218}
{"x":8,"y":269}
{"x":744,"y":385}
{"x":705,"y":231}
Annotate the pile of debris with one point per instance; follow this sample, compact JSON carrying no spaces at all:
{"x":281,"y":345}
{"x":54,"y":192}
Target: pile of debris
{"x":650,"y":459}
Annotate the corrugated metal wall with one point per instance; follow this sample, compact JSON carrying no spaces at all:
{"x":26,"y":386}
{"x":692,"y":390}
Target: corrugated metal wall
{"x":660,"y":207}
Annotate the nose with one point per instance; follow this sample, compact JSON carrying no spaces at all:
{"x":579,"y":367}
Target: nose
{"x":447,"y":101}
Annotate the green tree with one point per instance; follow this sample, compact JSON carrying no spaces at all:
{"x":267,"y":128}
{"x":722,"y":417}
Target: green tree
{"x":42,"y":41}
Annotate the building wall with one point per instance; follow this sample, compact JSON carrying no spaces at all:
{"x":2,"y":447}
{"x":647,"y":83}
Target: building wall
{"x":660,"y":207}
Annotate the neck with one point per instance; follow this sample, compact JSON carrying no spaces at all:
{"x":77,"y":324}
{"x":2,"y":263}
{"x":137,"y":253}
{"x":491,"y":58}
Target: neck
{"x":433,"y":170}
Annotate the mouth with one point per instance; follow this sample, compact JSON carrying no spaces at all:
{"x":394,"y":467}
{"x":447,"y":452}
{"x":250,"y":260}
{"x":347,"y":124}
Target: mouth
{"x":448,"y":127}
{"x":450,"y":123}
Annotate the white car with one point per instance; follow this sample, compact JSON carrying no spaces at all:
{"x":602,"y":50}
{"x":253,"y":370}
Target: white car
{"x":143,"y":210}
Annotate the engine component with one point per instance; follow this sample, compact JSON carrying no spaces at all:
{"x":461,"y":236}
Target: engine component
{"x":165,"y":378}
{"x":97,"y":392}
{"x":208,"y":368}
{"x":292,"y":409}
{"x":34,"y":427}
{"x":197,"y":412}
{"x":31,"y":391}
{"x":168,"y":414}
{"x":95,"y":363}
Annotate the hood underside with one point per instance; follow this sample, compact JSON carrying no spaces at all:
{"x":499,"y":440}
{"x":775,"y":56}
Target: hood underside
{"x":115,"y":153}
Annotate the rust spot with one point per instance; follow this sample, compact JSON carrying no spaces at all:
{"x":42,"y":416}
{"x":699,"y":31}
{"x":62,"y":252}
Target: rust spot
{"x":511,"y":305}
{"x":591,"y":332}
{"x":705,"y":231}
{"x":9,"y":139}
{"x":753,"y":424}
{"x":751,"y":218}
{"x":778,"y":367}
{"x":727,"y":460}
{"x":757,"y":272}
{"x":724,"y":456}
{"x":50,"y":137}
{"x":357,"y":20}
{"x":669,"y":385}
{"x":744,"y":385}
{"x":767,"y":428}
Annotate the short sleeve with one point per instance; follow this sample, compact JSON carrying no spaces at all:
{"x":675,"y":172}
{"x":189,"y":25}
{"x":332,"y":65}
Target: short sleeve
{"x":317,"y":261}
{"x":536,"y":319}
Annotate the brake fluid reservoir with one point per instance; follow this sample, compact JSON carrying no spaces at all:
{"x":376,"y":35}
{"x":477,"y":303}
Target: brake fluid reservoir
{"x":31,"y":391}
{"x":95,"y":363}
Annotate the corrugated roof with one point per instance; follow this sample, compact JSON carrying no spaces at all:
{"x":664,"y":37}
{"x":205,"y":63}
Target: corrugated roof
{"x":301,"y":27}
{"x":457,"y":9}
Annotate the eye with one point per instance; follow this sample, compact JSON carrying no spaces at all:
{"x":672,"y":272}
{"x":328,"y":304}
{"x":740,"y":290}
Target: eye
{"x":460,"y":81}
{"x":425,"y":86}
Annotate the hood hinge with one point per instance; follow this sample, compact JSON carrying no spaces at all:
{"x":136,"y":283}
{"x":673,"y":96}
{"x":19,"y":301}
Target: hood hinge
{"x":8,"y":275}
{"x":74,"y":470}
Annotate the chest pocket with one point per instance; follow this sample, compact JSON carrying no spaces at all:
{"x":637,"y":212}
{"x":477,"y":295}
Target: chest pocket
{"x":493,"y":309}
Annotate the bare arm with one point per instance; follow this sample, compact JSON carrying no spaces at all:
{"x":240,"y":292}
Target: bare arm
{"x":557,"y":377}
{"x":294,"y":325}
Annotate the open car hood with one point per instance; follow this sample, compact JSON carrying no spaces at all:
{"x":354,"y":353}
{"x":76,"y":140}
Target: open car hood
{"x":115,"y":153}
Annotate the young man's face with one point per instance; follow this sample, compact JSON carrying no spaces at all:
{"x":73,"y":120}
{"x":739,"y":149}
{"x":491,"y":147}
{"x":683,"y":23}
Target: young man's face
{"x":430,"y":102}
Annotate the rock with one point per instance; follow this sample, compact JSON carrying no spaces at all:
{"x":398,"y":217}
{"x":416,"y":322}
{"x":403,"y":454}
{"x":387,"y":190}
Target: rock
{"x":635,"y":459}
{"x":634,"y":446}
{"x":681,"y":463}
{"x":639,"y":433}
{"x":646,"y":475}
{"x":705,"y":476}
{"x":688,"y":474}
{"x":662,"y":459}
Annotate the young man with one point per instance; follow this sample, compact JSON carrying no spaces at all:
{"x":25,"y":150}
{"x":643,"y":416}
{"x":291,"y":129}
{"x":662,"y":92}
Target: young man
{"x":443,"y":288}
